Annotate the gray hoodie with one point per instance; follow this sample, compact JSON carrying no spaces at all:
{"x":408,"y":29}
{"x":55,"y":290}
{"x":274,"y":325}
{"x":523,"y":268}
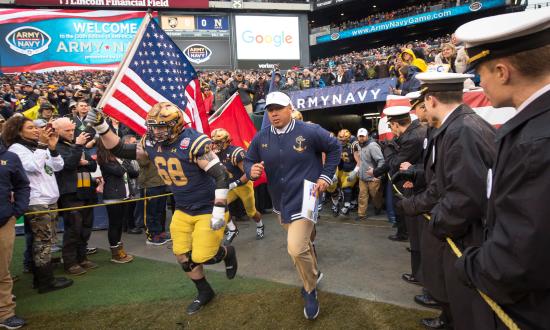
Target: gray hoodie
{"x":371,"y":156}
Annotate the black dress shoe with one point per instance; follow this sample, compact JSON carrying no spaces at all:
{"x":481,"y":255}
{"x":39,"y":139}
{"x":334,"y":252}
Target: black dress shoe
{"x":398,"y":238}
{"x":410,"y":279}
{"x":426,"y":300}
{"x":435,"y":323}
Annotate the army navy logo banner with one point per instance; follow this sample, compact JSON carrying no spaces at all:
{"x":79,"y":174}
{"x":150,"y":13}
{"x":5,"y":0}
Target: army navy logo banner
{"x":197,"y":53}
{"x":368,"y":91}
{"x":55,"y":39}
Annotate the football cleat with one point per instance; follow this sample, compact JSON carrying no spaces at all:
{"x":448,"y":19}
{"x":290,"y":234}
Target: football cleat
{"x":230,"y":236}
{"x":260,"y":232}
{"x":230,"y":261}
{"x":202,"y":299}
{"x":335,"y":210}
{"x":344,"y":210}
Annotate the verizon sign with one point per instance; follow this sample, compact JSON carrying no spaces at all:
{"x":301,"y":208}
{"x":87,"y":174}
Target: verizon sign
{"x":117,"y":3}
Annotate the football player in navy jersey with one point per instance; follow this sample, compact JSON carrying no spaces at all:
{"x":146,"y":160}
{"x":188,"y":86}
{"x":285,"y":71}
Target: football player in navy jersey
{"x":197,"y":179}
{"x":239,"y":186}
{"x":348,"y":169}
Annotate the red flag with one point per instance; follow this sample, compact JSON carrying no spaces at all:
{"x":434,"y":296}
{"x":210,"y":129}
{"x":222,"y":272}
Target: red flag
{"x":233,"y":117}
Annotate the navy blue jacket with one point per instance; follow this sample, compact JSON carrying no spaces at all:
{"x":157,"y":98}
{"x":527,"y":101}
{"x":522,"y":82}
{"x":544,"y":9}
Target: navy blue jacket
{"x":289,"y":159}
{"x":12,"y":179}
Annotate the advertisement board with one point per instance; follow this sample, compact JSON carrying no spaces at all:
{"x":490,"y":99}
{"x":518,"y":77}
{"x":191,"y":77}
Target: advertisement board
{"x":412,"y":20}
{"x":38,"y":40}
{"x":117,"y":4}
{"x":367,"y":91}
{"x":204,"y":38}
{"x":267,"y":38}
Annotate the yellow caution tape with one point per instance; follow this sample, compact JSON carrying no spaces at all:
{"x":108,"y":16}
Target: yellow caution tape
{"x":96,"y":205}
{"x":505,"y":318}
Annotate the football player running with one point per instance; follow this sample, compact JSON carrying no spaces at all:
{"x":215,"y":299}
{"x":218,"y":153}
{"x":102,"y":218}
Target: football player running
{"x":346,"y":173}
{"x":197,"y":179}
{"x":239,"y":187}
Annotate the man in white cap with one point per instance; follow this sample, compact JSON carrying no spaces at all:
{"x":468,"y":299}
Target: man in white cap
{"x":290,"y":151}
{"x":406,"y":147}
{"x":462,"y":152}
{"x":431,"y":248}
{"x":371,"y":157}
{"x":511,"y":54}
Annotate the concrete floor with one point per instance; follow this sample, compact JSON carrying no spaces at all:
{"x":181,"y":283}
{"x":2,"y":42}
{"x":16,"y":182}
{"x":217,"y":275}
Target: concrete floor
{"x":356,"y":258}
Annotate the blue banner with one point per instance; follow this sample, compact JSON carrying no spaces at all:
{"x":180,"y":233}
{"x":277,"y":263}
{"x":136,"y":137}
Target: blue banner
{"x":412,"y":20}
{"x":68,"y":40}
{"x":367,"y":91}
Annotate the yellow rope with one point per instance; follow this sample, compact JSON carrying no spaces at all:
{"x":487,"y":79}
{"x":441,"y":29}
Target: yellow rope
{"x":95,"y":205}
{"x":507,"y":320}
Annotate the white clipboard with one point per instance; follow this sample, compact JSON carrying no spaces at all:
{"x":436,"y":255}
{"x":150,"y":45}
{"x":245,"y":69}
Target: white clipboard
{"x":310,"y":202}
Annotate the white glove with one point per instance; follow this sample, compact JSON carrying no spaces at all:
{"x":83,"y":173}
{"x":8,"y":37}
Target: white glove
{"x":233,"y":185}
{"x":96,"y":119}
{"x":353,"y":175}
{"x":218,"y":218}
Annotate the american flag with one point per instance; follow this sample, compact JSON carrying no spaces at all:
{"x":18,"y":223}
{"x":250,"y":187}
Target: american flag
{"x":154,"y":70}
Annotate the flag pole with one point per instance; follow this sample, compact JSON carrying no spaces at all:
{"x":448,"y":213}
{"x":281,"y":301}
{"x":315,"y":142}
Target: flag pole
{"x":117,"y":77}
{"x":222,"y":108}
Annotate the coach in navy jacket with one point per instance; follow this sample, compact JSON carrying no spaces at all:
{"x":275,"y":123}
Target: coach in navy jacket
{"x":290,"y":152}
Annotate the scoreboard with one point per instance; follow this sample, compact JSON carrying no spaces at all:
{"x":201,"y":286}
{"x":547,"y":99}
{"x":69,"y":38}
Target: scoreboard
{"x":195,"y":25}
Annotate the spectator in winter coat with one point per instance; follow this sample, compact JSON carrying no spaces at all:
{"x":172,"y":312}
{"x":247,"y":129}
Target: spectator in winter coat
{"x":38,"y":152}
{"x":116,"y":189}
{"x":14,"y":192}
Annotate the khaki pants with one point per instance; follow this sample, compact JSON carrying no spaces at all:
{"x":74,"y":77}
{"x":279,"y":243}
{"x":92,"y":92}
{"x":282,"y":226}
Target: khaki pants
{"x":368,"y":189}
{"x":7,"y":237}
{"x":300,"y":249}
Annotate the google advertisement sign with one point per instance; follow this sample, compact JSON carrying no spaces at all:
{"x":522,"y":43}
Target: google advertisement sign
{"x":267,"y":38}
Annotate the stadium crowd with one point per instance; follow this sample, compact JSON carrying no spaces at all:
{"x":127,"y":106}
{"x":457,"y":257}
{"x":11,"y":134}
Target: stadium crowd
{"x":28,"y":91}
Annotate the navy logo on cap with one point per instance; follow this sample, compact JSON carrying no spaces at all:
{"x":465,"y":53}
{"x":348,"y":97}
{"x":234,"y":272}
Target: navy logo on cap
{"x":28,"y":40}
{"x":475,"y":6}
{"x":197,"y":53}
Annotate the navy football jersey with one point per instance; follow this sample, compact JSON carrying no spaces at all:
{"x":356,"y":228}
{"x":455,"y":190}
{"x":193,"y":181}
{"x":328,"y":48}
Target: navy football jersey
{"x":347,"y":161}
{"x":193,"y":189}
{"x":231,"y":157}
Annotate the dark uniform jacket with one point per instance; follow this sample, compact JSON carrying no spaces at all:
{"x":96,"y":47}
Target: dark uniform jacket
{"x":513,"y":264}
{"x":463,"y":152}
{"x":289,"y":159}
{"x":422,"y":202}
{"x":12,"y":179}
{"x":406,"y":148}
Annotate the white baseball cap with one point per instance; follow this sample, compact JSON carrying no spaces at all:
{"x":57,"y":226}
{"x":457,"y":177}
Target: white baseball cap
{"x":362,"y":132}
{"x":278,"y":98}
